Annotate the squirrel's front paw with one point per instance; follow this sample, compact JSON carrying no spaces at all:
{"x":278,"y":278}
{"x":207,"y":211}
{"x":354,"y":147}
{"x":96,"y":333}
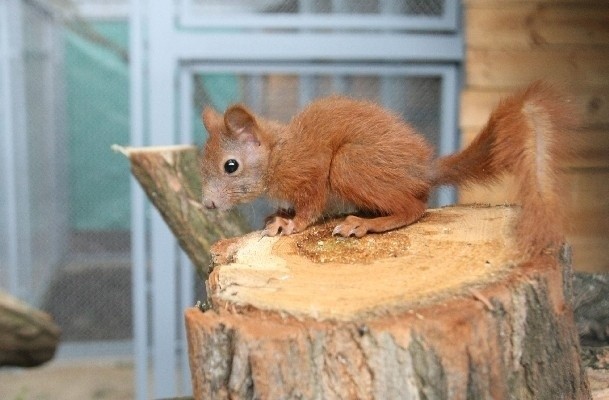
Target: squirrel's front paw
{"x":279,"y":226}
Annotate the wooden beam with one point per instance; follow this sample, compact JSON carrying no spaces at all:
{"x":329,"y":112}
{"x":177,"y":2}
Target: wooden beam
{"x":502,"y":68}
{"x":592,"y":104}
{"x":531,"y":25}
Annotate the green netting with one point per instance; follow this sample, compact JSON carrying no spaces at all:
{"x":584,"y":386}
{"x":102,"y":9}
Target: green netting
{"x":98,"y":116}
{"x":97,"y":81}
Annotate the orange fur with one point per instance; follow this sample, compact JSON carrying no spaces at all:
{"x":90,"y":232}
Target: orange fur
{"x":525,"y":136}
{"x":364,"y":156}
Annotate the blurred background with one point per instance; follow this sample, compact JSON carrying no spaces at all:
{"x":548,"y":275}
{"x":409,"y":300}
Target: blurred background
{"x":79,"y":240}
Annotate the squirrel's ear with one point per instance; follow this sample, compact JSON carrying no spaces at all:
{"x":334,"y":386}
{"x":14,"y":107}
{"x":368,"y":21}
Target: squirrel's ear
{"x":212,"y":120}
{"x":241,"y":123}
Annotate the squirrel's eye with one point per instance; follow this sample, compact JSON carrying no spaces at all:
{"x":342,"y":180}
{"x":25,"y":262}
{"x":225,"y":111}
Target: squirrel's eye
{"x":231,"y":166}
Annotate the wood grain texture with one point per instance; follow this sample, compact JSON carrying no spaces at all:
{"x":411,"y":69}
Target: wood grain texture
{"x":592,"y":104}
{"x":533,"y":25}
{"x":590,"y":148}
{"x":446,"y":310}
{"x":411,"y":271}
{"x":504,"y":68}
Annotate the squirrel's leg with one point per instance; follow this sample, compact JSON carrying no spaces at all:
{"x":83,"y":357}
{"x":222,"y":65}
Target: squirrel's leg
{"x":358,"y":227}
{"x":387,"y":176}
{"x":281,"y":224}
{"x":309,"y":202}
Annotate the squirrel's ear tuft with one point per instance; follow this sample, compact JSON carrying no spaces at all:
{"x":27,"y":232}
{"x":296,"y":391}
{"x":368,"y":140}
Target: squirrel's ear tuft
{"x":241,"y":123}
{"x":212,"y":121}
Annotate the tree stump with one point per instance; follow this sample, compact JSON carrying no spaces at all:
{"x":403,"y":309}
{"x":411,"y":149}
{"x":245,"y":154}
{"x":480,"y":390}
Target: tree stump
{"x":443,"y":309}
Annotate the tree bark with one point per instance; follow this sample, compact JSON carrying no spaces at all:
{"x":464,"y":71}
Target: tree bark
{"x":442,"y":309}
{"x":28,"y":337}
{"x":591,"y":305}
{"x":170,"y":177}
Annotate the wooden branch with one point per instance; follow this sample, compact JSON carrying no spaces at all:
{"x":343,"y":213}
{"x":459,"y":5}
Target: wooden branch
{"x":442,"y":309}
{"x":170,"y":177}
{"x":28,"y":337}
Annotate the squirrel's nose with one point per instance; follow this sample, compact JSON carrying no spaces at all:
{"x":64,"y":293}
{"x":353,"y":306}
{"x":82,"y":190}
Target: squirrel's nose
{"x":209,"y":204}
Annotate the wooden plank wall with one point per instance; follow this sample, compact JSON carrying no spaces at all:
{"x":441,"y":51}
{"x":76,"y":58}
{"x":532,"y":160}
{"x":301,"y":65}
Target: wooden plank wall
{"x":510,"y":43}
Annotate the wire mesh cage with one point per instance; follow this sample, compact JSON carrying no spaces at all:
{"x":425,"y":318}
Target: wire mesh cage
{"x":85,"y":261}
{"x":280,"y":96}
{"x":64,"y":202}
{"x":33,"y":168}
{"x":64,"y":207}
{"x":326,"y":15}
{"x":408,"y":7}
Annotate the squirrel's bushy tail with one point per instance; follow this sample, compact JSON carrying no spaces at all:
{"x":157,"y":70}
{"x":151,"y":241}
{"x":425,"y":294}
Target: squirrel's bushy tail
{"x":526,"y":136}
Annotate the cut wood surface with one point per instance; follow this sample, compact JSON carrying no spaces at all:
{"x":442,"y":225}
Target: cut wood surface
{"x":371,"y":276}
{"x":170,"y":177}
{"x":587,"y":207}
{"x":28,"y":337}
{"x":442,"y":309}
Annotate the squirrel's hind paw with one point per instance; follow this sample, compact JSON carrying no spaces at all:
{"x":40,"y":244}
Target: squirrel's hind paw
{"x":351,"y":226}
{"x":279,"y":226}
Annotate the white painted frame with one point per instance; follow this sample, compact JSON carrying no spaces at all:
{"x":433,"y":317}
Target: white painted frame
{"x":25,"y":267}
{"x":14,"y":146}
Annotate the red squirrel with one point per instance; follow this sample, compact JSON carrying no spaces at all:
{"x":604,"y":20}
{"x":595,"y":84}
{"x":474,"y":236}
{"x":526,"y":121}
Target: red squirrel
{"x":359,"y":154}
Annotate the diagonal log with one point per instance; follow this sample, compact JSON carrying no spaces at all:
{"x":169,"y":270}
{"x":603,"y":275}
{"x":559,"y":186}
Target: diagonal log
{"x":170,"y":177}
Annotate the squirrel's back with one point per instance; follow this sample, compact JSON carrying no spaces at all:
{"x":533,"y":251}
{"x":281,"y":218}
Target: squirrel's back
{"x":368,"y":155}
